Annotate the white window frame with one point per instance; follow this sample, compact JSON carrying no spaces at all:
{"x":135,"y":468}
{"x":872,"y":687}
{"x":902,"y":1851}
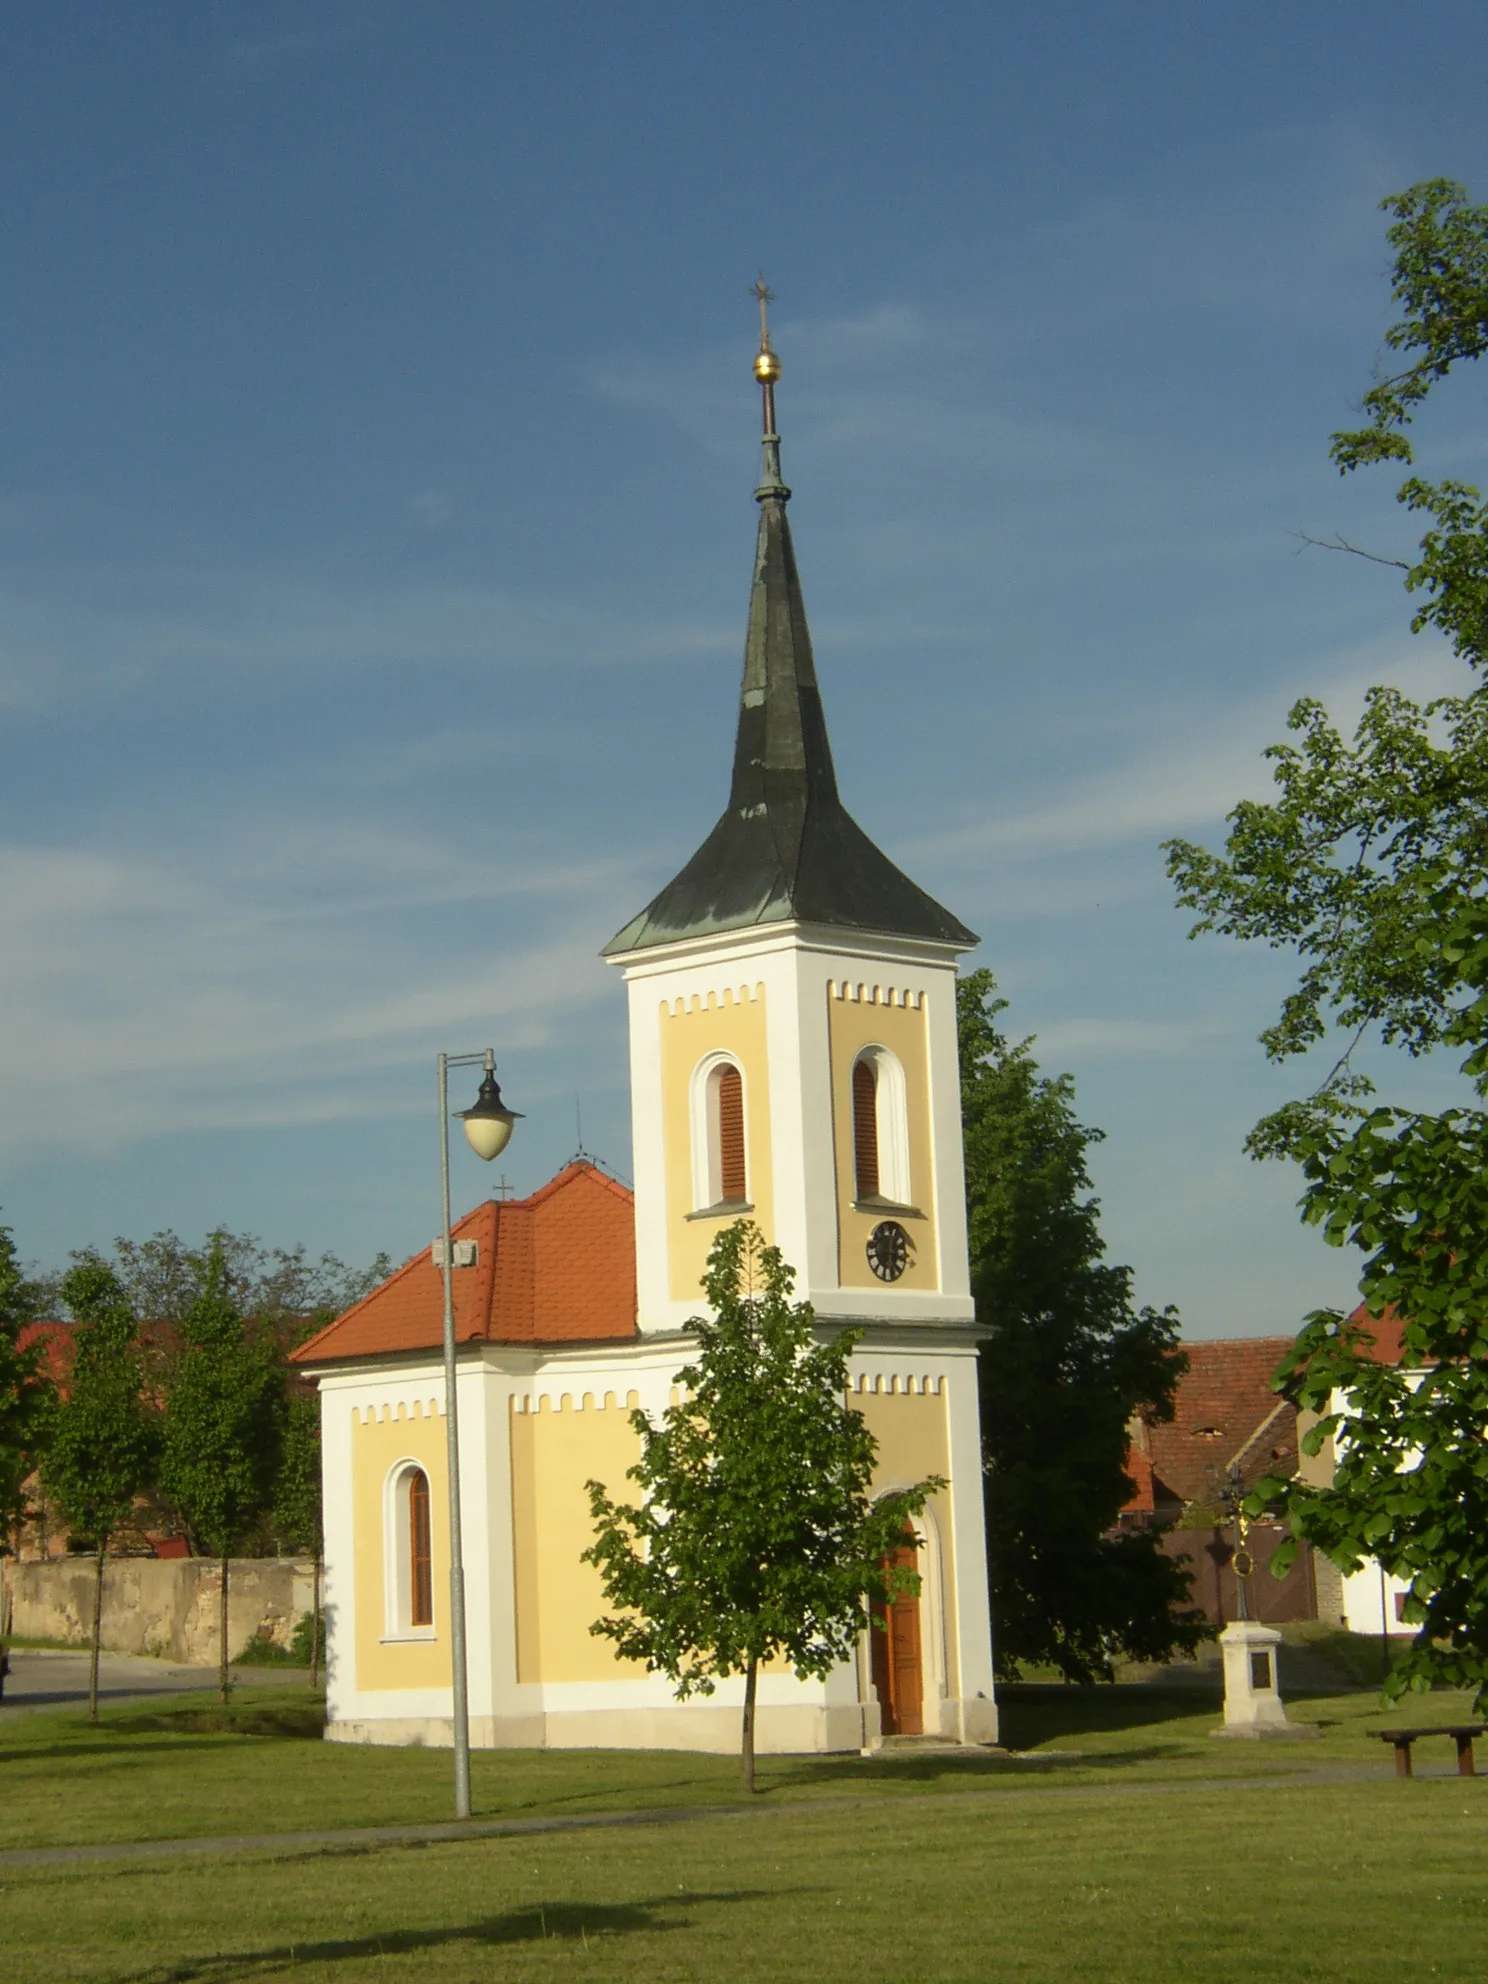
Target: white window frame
{"x":707,"y":1153}
{"x":397,"y":1552}
{"x":891,"y":1120}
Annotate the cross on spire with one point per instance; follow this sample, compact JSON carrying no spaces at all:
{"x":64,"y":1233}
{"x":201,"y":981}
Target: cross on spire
{"x":767,"y":371}
{"x":761,"y":289}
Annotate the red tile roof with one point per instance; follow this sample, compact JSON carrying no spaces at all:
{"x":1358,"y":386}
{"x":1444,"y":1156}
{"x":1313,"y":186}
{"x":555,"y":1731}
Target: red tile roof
{"x":56,"y":1356}
{"x":558,"y":1267}
{"x":1386,"y":1329}
{"x":1139,"y":1473}
{"x":1223,"y":1401}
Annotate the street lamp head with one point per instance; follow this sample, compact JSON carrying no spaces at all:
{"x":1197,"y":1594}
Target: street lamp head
{"x":488,"y":1122}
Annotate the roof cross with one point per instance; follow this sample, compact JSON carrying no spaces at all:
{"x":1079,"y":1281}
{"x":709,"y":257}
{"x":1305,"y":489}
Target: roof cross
{"x":761,"y":289}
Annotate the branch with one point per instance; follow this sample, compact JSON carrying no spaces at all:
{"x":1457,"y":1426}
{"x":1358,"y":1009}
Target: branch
{"x":1342,"y":544}
{"x":1344,"y":1060}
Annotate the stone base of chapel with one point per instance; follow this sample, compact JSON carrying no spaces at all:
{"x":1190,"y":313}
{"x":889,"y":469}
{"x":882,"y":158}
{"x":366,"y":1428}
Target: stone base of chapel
{"x":779,"y":1731}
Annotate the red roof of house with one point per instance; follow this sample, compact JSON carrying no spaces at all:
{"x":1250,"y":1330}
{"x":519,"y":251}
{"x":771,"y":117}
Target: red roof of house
{"x":1223,"y":1402}
{"x":558,"y":1267}
{"x":1139,"y":1473}
{"x":1222,"y":1406}
{"x":56,"y":1358}
{"x":1387,"y":1330}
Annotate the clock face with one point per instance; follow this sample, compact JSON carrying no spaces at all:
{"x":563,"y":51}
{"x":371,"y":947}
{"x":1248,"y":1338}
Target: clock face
{"x":888,"y":1250}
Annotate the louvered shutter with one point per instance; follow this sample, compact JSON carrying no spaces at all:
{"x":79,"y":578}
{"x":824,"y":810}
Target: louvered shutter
{"x":731,"y":1178}
{"x":420,"y":1563}
{"x":865,"y":1127}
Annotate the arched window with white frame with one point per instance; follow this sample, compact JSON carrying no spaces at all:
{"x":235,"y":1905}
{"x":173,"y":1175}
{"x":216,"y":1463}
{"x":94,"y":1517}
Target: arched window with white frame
{"x":880,"y":1128}
{"x":720,"y":1163}
{"x":408,"y":1553}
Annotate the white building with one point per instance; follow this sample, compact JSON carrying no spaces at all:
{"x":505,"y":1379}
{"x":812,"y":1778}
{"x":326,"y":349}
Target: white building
{"x":793,"y":1060}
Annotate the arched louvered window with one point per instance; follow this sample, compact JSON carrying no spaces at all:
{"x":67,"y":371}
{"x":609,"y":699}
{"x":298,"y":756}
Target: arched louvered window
{"x":732,"y":1181}
{"x":880,"y":1128}
{"x":420,"y":1553}
{"x":865,"y":1126}
{"x":720,"y":1153}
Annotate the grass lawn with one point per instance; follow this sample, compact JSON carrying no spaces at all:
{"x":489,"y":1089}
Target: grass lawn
{"x":1153,"y":1852}
{"x":178,"y":1767}
{"x":1316,"y":1881}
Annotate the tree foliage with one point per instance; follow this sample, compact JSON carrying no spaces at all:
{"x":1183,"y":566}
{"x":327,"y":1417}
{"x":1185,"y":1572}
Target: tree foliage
{"x":281,"y":1288}
{"x":1440,"y":279}
{"x":1372,"y":865}
{"x":24,"y":1388}
{"x":298,"y":1512}
{"x":757,"y":1534}
{"x":1410,"y":1486}
{"x":1069,"y":1362}
{"x":1370,"y":850}
{"x":297,"y":1490}
{"x":1351,"y":867}
{"x":101,"y":1438}
{"x":222,"y":1418}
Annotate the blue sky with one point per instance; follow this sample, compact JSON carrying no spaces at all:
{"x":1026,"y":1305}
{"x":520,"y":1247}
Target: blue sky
{"x":376,"y":525}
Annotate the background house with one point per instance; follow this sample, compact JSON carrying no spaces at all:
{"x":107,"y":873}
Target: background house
{"x":1229,"y":1429}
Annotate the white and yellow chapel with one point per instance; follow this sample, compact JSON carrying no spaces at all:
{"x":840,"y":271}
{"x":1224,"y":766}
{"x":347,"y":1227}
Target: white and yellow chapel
{"x":793,"y":1060}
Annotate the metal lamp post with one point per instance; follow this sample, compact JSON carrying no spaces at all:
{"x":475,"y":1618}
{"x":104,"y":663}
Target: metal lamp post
{"x":488,"y":1127}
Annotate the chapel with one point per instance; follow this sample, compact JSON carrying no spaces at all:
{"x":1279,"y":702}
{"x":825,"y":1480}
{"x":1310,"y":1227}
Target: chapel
{"x":792,"y":1023}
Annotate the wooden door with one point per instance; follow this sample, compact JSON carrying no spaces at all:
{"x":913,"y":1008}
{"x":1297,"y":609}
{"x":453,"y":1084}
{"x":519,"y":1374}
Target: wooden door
{"x":898,"y":1674}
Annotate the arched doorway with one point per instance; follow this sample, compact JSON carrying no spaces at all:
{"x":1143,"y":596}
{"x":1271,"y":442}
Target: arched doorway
{"x":898,"y":1669}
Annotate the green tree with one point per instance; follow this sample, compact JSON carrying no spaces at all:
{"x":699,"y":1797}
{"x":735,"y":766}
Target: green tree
{"x":24,"y":1390}
{"x":1371,"y":864}
{"x":297,"y":1496}
{"x":281,"y":1288}
{"x":223,"y":1417}
{"x":1068,"y":1364}
{"x":100,"y":1438}
{"x":758,"y":1534}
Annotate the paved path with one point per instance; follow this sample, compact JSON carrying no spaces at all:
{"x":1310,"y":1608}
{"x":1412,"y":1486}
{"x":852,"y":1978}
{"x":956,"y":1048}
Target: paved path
{"x":359,"y":1838}
{"x":48,"y":1678}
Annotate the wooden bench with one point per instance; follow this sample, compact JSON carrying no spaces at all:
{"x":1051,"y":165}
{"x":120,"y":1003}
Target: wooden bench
{"x":1462,"y":1735}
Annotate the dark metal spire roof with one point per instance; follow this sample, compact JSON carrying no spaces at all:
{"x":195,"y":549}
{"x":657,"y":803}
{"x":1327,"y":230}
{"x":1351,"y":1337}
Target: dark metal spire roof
{"x":786,"y":849}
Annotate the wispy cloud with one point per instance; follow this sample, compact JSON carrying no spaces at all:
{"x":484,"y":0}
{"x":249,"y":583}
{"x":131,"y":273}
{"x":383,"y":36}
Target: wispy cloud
{"x":1066,"y":1042}
{"x":55,"y":643}
{"x":270,"y":978}
{"x":430,"y":509}
{"x":1197,"y":774}
{"x":341,"y":24}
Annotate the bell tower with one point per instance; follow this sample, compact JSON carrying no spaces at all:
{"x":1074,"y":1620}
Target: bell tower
{"x":793,"y":1011}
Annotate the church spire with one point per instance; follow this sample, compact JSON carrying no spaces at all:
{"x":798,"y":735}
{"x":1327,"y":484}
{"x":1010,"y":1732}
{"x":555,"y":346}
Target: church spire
{"x":785,"y":849}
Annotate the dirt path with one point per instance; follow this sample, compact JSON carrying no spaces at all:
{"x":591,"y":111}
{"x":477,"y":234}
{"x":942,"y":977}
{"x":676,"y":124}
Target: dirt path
{"x":363,"y":1838}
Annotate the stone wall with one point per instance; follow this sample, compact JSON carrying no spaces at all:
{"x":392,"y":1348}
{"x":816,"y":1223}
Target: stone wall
{"x":167,"y":1607}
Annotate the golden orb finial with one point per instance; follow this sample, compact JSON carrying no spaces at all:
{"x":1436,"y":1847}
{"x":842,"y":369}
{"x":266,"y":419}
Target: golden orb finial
{"x":766,"y":363}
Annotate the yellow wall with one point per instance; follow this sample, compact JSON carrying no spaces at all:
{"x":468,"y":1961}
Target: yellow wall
{"x":913,"y":1442}
{"x":376,"y":1446}
{"x":1315,"y":1469}
{"x":690,"y":1030}
{"x":553,"y":1453}
{"x":853,"y":1023}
